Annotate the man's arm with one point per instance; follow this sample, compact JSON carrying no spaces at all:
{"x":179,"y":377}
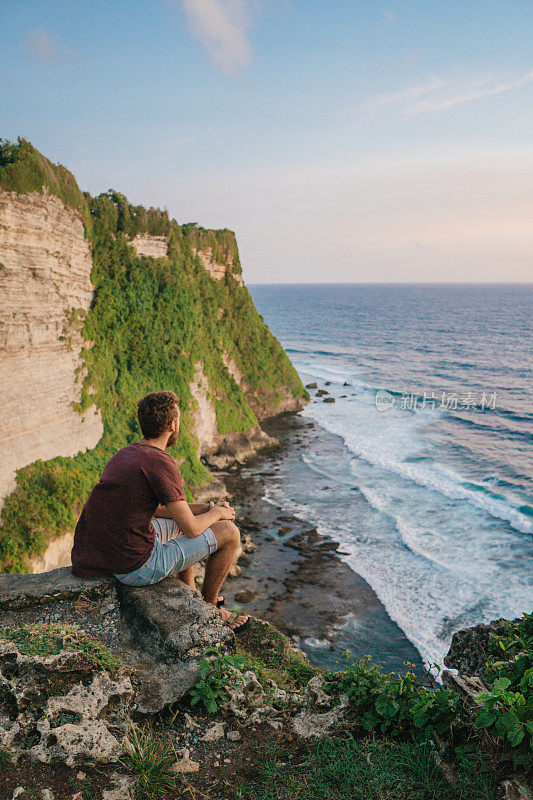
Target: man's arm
{"x":192,"y":525}
{"x":196,"y":508}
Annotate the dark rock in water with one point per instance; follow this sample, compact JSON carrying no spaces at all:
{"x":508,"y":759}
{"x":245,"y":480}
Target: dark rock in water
{"x":469,"y":649}
{"x":244,"y":595}
{"x":321,"y":392}
{"x":345,"y":383}
{"x":327,"y":383}
{"x":328,"y":400}
{"x":311,"y":386}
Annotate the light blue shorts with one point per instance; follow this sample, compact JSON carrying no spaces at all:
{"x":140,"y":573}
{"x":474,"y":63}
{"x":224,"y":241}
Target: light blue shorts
{"x":173,"y":552}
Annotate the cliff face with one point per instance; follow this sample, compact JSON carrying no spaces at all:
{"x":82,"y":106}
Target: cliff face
{"x":218,"y":269}
{"x":102,"y":301}
{"x":46,"y":266}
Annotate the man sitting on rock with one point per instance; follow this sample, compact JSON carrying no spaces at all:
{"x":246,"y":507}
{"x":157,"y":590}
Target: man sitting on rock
{"x":137,"y":524}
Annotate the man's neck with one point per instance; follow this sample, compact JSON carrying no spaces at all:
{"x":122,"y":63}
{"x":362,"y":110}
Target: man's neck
{"x":160,"y":443}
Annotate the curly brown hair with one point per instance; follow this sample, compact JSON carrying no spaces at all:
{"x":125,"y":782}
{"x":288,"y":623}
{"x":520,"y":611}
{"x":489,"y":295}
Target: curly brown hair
{"x":156,"y":411}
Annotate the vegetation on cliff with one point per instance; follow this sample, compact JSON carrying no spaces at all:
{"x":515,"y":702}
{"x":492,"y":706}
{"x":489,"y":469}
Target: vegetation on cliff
{"x":150,"y":322}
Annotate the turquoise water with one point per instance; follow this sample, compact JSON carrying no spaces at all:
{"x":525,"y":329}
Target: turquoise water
{"x":430,"y":491}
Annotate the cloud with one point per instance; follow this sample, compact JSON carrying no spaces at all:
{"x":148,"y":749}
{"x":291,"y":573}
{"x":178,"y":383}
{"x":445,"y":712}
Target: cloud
{"x":413,"y":93}
{"x":40,"y":44}
{"x":222,"y":27}
{"x":475,"y":91}
{"x":437,"y":94}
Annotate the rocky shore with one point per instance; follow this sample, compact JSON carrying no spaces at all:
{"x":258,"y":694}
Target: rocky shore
{"x":295,"y":578}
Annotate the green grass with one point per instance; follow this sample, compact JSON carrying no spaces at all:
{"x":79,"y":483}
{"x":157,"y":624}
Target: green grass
{"x":148,"y":759}
{"x":268,"y":653}
{"x":346,"y":769}
{"x":49,"y":639}
{"x":151,"y":321}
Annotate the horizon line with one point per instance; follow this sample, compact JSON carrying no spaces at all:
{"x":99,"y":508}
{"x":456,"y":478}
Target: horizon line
{"x":393,"y":283}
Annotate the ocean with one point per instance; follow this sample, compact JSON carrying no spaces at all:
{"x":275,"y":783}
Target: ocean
{"x":423,"y":469}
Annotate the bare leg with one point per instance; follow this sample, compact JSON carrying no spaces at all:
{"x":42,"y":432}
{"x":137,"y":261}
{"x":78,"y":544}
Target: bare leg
{"x":218,"y":564}
{"x":187,"y":576}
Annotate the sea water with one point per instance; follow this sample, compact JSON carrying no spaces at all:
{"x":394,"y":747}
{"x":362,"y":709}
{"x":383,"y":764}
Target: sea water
{"x":427,"y":479}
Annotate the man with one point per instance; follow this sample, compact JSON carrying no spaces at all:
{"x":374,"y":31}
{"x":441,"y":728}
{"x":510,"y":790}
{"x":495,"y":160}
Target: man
{"x":137,"y":524}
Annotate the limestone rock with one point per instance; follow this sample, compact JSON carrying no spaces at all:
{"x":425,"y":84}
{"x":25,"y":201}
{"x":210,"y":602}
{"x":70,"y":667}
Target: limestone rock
{"x":123,"y":789}
{"x":185,"y":764}
{"x":516,"y":790}
{"x":214,"y":733}
{"x":315,"y":691}
{"x":150,"y":246}
{"x":46,"y":274}
{"x":308,"y":725}
{"x":220,"y":451}
{"x":175,"y":627}
{"x":244,"y":595}
{"x":167,"y":626}
{"x":19,"y":591}
{"x":218,"y":269}
{"x":61,"y":706}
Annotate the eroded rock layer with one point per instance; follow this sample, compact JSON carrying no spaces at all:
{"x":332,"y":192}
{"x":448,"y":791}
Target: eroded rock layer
{"x":45,"y":268}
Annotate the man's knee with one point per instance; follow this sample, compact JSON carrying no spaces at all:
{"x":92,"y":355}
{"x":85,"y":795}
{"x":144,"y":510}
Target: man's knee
{"x":226,"y":533}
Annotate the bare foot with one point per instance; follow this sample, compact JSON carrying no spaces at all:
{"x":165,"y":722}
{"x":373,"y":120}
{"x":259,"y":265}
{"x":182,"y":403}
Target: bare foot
{"x":236,"y":621}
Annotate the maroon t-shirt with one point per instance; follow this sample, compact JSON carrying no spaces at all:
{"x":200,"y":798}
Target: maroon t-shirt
{"x":114,"y":533}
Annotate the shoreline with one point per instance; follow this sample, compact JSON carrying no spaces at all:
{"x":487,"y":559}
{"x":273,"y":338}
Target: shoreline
{"x":294,"y":578}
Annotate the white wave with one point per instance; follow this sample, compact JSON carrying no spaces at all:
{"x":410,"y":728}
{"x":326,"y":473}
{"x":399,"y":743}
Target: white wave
{"x":386,"y":440}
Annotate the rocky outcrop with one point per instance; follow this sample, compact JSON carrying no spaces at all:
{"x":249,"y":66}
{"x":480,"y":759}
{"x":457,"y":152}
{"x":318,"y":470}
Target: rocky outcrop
{"x":218,"y":269}
{"x":150,"y":246}
{"x":469,"y":649}
{"x":220,"y":450}
{"x":44,"y":274}
{"x":160,"y":631}
{"x":175,"y":627}
{"x":61,"y":706}
{"x":268,"y":403}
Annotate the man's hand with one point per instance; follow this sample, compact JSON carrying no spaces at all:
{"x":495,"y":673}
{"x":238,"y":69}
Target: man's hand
{"x":229,"y":511}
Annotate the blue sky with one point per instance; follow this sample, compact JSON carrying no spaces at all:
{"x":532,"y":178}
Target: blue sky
{"x":342,"y":141}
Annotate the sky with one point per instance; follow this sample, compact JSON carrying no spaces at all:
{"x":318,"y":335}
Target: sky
{"x":343,"y":140}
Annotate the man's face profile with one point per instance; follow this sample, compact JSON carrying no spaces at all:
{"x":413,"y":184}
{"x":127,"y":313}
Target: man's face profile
{"x":173,"y":438}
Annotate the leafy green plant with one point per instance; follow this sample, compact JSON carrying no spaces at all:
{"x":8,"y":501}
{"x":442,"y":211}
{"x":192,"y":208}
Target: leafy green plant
{"x":393,"y":704}
{"x":217,"y":674}
{"x":149,"y":758}
{"x":507,"y":709}
{"x":64,"y":718}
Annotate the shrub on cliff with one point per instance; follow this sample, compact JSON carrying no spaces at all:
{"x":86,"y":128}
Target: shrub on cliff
{"x":23,"y":169}
{"x":507,"y":710}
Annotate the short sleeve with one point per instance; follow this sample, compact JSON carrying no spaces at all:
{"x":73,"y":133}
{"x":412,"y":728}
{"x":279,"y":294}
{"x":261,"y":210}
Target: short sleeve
{"x":165,"y":481}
